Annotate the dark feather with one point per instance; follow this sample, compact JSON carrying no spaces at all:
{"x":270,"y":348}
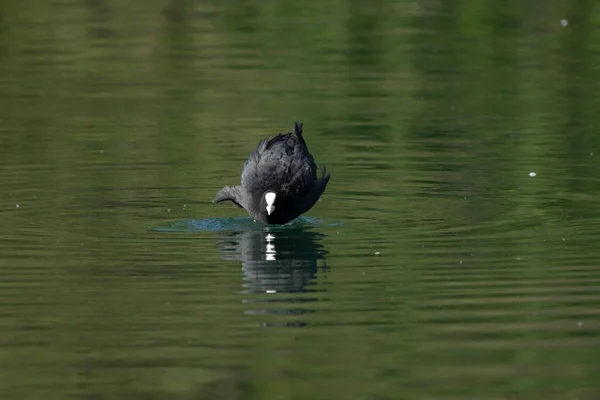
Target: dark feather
{"x":281,"y":164}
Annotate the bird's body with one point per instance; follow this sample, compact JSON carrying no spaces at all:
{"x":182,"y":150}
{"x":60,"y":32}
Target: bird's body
{"x":279,"y":180}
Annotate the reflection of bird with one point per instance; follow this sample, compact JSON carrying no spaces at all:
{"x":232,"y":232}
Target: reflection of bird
{"x":280,"y":261}
{"x":279,"y":180}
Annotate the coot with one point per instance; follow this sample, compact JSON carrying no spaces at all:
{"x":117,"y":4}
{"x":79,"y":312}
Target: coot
{"x":279,"y":180}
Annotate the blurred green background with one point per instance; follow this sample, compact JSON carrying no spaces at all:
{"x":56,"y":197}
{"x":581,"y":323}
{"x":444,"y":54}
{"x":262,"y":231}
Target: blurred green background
{"x":435,"y":265}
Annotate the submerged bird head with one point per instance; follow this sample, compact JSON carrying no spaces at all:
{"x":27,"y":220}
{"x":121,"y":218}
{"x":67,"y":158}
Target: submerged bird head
{"x":270,"y":200}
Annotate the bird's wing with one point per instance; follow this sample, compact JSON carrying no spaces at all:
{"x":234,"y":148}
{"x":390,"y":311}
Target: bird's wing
{"x":231,"y":193}
{"x":251,"y":166}
{"x":313,"y":195}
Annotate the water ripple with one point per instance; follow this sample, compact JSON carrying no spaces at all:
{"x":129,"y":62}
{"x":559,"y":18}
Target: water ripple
{"x":240,"y":224}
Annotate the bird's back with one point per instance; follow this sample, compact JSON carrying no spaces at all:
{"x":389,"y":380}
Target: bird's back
{"x":281,"y":163}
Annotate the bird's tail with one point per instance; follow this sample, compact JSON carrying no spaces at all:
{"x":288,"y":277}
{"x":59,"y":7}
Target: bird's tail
{"x":298,"y":128}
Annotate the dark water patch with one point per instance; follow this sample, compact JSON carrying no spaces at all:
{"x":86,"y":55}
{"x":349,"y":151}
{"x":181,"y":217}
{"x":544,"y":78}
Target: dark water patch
{"x":241,"y":224}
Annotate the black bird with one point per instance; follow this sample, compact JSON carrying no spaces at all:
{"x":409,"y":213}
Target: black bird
{"x":279,"y":180}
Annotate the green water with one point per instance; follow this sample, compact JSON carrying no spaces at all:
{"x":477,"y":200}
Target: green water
{"x":435,"y":265}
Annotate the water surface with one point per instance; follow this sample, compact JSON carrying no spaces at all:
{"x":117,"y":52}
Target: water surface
{"x":435,"y":265}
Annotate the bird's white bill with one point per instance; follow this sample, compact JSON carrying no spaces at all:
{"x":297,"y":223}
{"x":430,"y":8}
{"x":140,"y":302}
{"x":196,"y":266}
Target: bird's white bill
{"x":270,"y":199}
